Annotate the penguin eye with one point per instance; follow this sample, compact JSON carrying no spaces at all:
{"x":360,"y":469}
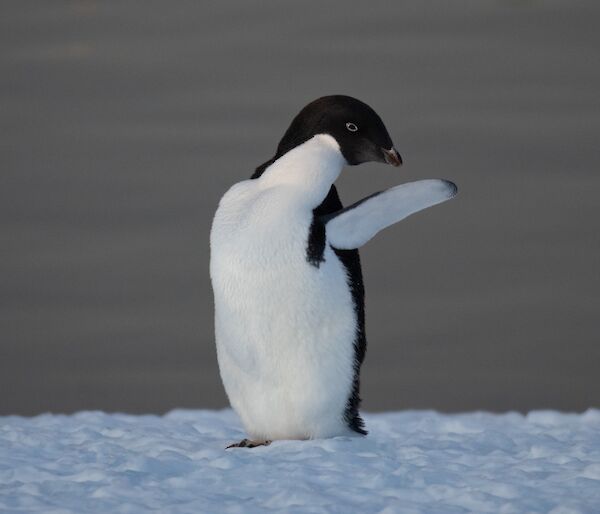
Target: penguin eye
{"x":351,"y":127}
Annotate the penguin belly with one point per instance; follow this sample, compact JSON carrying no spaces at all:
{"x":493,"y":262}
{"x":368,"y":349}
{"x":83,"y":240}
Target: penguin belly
{"x":285,"y":329}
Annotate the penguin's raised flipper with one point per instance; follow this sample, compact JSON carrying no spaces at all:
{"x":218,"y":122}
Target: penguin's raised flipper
{"x":353,"y":226}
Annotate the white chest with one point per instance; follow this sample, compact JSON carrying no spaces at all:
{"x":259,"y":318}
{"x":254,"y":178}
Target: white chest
{"x":285,"y":329}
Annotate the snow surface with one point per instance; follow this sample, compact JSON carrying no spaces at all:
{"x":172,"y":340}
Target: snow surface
{"x":412,"y":461}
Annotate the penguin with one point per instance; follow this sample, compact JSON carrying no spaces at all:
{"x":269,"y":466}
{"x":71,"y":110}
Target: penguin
{"x":286,"y":274}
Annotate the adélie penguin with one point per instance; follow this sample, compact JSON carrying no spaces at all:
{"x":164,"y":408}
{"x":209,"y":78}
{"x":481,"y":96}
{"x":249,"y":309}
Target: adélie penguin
{"x":286,"y":275}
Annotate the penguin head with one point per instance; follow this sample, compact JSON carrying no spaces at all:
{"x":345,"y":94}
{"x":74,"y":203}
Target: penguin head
{"x":355,"y":126}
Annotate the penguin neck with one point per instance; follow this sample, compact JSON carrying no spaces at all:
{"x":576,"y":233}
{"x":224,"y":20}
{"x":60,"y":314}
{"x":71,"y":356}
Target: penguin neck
{"x":311,"y":168}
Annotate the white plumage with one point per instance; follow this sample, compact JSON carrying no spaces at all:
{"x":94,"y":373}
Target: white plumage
{"x":284,"y":328}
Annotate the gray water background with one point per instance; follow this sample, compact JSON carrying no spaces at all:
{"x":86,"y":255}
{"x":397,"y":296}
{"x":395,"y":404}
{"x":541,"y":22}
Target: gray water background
{"x":122,"y":123}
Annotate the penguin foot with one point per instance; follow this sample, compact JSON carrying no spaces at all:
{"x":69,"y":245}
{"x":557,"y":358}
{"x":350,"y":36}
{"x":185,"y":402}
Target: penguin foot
{"x":247,"y":443}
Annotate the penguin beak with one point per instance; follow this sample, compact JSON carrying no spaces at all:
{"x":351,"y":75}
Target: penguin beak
{"x":392,"y":157}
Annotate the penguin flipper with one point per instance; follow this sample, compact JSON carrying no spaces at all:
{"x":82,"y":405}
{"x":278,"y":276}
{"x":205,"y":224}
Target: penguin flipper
{"x":353,"y":226}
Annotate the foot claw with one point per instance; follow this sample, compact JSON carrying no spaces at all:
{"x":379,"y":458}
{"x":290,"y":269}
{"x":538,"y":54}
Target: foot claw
{"x":247,"y":443}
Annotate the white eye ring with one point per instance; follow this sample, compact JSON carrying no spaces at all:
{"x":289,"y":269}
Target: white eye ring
{"x":351,"y":127}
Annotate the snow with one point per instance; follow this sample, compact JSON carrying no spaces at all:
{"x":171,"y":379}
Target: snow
{"x":412,"y":462}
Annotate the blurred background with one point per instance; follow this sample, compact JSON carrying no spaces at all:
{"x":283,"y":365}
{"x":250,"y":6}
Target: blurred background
{"x":122,"y":124}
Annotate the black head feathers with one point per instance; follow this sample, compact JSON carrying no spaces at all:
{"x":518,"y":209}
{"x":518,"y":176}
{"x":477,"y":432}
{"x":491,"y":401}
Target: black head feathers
{"x":355,"y":126}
